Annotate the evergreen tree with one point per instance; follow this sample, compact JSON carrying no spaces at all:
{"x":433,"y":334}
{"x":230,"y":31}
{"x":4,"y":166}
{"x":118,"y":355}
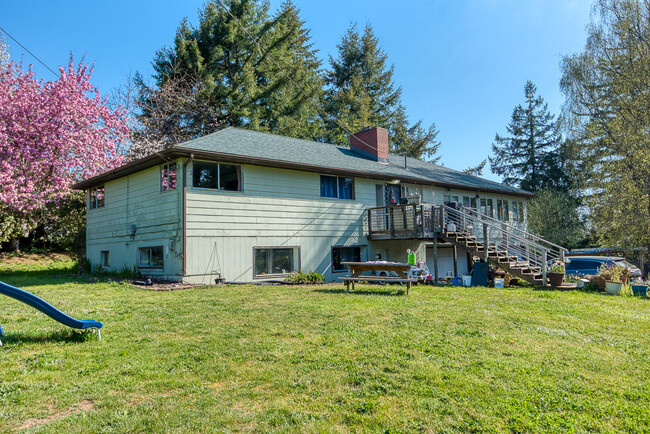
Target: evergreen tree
{"x":361,"y":93}
{"x":555,"y":216}
{"x":607,"y":103}
{"x":253,"y":71}
{"x":531,"y":156}
{"x":476,"y":170}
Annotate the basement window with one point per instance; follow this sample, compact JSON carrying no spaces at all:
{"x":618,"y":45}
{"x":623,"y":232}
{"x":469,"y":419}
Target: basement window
{"x":168,"y":177}
{"x":151,"y":257}
{"x":276,"y":261}
{"x":344,"y":254}
{"x":336,"y":187}
{"x":217,"y":176}
{"x":96,"y":197}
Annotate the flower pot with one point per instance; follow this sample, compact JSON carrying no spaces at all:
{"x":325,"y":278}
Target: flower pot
{"x":640,"y":290}
{"x":599,"y":282}
{"x":613,"y":288}
{"x":555,"y":279}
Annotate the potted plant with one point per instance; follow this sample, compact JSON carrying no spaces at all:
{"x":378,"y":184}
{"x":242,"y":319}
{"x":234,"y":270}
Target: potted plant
{"x":640,"y":288}
{"x":614,"y":277}
{"x":414,"y":198}
{"x":556,"y":272}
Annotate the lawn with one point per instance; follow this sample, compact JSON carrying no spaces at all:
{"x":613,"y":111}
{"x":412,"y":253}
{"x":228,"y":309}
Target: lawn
{"x":313,"y":358}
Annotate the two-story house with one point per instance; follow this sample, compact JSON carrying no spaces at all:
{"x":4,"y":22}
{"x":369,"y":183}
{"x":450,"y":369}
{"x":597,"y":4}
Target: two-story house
{"x":247,"y":206}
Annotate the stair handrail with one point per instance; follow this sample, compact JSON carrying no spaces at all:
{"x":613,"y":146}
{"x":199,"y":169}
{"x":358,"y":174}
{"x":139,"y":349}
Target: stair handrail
{"x":547,"y":252}
{"x":538,"y":240}
{"x":497,"y":226}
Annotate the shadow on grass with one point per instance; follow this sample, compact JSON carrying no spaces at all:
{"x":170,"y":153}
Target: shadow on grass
{"x":383,"y":292}
{"x":69,"y":336}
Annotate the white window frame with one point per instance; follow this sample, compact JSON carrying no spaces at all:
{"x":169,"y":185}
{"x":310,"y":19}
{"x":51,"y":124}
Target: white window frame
{"x":149,"y":263}
{"x":94,"y":200}
{"x":219,"y":188}
{"x":165,"y":171}
{"x":338,"y":181}
{"x":296,"y":261}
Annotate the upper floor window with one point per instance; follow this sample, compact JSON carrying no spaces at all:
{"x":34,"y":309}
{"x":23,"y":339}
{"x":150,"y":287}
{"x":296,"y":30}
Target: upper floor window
{"x":449,"y":199}
{"x":487,"y":207}
{"x":168,"y":177}
{"x":337,"y":187}
{"x":502,"y":210}
{"x":219,"y":176}
{"x":96,"y":197}
{"x":518,"y":211}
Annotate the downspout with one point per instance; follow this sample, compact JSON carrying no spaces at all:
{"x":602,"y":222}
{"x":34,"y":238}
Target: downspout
{"x":184,"y":272}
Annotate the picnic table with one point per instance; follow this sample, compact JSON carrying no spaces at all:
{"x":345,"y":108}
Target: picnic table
{"x":355,"y":269}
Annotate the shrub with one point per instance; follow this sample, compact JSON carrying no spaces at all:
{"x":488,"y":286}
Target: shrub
{"x":301,"y":277}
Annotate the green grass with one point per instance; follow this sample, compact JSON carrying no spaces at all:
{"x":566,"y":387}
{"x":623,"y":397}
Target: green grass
{"x":313,"y":358}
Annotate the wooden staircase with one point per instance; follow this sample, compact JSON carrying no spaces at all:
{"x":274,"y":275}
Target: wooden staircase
{"x":510,"y":248}
{"x":503,"y":245}
{"x":496,"y":257}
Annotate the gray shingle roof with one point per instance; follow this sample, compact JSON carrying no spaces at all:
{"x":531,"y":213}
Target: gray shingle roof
{"x":253,"y":144}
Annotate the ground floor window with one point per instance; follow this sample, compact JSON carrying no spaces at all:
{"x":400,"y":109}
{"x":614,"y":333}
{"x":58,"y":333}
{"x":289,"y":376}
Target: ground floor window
{"x":276,"y":260}
{"x":344,"y":254}
{"x":151,"y":257}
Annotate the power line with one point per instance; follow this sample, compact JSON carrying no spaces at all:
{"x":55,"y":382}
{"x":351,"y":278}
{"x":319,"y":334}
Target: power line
{"x":277,"y":65}
{"x":32,"y":54}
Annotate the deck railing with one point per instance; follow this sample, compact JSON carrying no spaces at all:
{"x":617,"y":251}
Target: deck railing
{"x":426,"y":221}
{"x":396,"y":222}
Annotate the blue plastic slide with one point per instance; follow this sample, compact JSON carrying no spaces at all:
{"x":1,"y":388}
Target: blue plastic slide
{"x":47,"y":309}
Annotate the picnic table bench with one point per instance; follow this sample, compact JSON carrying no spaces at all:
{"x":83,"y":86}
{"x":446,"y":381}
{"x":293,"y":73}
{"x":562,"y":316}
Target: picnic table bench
{"x":355,"y":269}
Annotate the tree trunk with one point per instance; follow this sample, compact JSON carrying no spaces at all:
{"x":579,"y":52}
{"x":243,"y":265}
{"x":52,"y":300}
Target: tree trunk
{"x":14,"y":245}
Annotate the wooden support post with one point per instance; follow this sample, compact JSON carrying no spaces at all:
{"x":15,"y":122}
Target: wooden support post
{"x":642,"y":265}
{"x":455,"y":250}
{"x":369,"y":224}
{"x":415,"y":221}
{"x":486,"y":242}
{"x":435,"y":260}
{"x":544,"y":259}
{"x":392,"y":222}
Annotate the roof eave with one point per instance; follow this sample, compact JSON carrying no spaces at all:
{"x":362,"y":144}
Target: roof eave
{"x":175,"y":152}
{"x":129,"y":168}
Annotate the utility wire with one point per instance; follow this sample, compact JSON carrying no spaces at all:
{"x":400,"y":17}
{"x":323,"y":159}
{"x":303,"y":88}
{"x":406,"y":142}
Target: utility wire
{"x":277,"y":65}
{"x":32,"y":54}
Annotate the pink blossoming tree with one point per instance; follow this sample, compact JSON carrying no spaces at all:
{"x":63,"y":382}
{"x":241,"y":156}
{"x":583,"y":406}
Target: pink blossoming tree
{"x":52,"y":134}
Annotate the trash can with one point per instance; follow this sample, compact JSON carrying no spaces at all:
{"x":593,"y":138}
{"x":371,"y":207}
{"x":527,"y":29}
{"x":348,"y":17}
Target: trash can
{"x":467,"y":280}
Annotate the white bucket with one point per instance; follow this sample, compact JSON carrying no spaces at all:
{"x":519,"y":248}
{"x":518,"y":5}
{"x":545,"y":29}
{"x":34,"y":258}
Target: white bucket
{"x":499,"y":282}
{"x":467,"y":280}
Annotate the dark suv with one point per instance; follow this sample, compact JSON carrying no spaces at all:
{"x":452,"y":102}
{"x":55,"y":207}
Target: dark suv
{"x":582,"y":265}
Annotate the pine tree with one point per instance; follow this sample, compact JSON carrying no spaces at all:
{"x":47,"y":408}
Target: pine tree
{"x":252,"y":71}
{"x":530,"y":157}
{"x":361,"y":93}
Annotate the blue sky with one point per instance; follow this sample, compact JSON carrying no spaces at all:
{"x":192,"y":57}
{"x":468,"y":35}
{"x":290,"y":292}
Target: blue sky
{"x":462,"y":64}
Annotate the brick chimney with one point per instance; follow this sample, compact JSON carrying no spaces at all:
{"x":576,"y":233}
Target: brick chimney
{"x":372,"y":142}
